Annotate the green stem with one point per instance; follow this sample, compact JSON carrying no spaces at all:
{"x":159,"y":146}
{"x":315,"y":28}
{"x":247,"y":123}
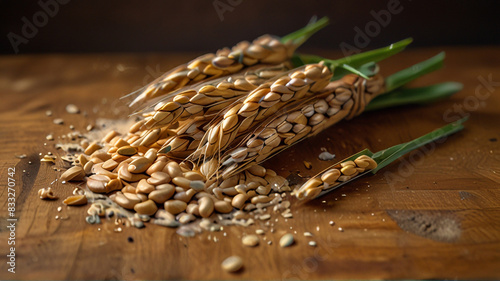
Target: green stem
{"x":355,"y":61}
{"x":386,"y":156}
{"x":353,"y":70}
{"x":300,"y":36}
{"x":369,"y":69}
{"x":420,"y":95}
{"x":411,"y":73}
{"x":375,"y":55}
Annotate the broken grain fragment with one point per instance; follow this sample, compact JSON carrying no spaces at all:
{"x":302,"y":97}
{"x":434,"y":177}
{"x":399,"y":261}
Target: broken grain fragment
{"x":48,"y":158}
{"x":75,"y":200}
{"x":46,"y":194}
{"x":326,"y":156}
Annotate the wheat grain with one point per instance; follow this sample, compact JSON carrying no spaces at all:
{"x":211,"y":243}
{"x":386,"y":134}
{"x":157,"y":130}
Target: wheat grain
{"x":188,"y":111}
{"x":263,"y":50}
{"x":333,"y":176}
{"x":209,"y":98}
{"x":262,"y":102}
{"x":344,"y":98}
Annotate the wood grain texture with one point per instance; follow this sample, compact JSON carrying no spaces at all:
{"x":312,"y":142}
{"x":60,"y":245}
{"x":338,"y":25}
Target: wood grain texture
{"x":389,"y":226}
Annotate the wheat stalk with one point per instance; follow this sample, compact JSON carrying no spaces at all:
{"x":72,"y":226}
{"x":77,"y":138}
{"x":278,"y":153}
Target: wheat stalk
{"x":194,"y":108}
{"x":266,"y":49}
{"x":207,"y":99}
{"x":363,"y":161}
{"x":334,"y":176}
{"x":186,"y":140}
{"x":261,"y":103}
{"x":342,"y":99}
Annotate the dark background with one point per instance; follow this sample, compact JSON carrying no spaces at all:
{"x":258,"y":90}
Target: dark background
{"x":166,"y":26}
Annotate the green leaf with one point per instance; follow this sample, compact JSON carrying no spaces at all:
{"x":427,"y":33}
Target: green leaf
{"x":300,"y":36}
{"x":420,"y":95}
{"x":369,"y":69}
{"x":306,"y":59}
{"x":411,"y":73}
{"x":297,"y":61}
{"x":375,"y":55}
{"x":386,"y":156}
{"x":353,"y":70}
{"x":356,"y":61}
{"x":366,"y":71}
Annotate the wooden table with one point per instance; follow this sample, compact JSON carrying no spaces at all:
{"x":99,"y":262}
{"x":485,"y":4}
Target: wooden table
{"x":434,"y":214}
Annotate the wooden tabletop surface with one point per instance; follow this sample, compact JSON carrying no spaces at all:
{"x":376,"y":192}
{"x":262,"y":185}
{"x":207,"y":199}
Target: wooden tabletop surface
{"x":433,"y":214}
